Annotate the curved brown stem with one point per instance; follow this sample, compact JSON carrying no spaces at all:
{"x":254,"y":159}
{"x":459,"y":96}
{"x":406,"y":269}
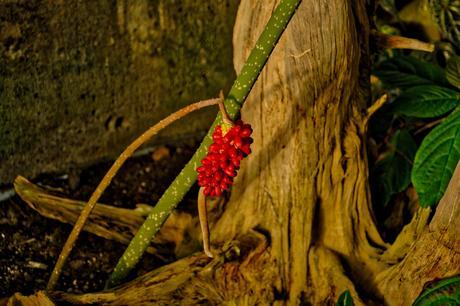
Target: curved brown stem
{"x":225,"y":117}
{"x":386,"y":41}
{"x":109,"y":176}
{"x":202,"y":213}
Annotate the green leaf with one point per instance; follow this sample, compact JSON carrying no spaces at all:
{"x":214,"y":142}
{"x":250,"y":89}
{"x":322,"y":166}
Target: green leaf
{"x":446,"y":13}
{"x":345,"y":299}
{"x":392,"y":174}
{"x":444,"y":292}
{"x":407,"y":71}
{"x":436,"y":160}
{"x":453,"y":71}
{"x":426,"y":101}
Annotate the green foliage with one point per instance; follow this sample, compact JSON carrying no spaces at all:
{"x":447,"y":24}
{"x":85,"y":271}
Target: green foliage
{"x":426,"y":92}
{"x":447,"y":14}
{"x":444,"y":292}
{"x":426,"y":101}
{"x":405,"y":71}
{"x":393,"y":172}
{"x":453,"y":71}
{"x":345,"y":299}
{"x":436,"y":160}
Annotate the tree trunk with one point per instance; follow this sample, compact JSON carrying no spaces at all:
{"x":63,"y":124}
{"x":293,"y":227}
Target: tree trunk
{"x":306,"y":183}
{"x":298,"y":227}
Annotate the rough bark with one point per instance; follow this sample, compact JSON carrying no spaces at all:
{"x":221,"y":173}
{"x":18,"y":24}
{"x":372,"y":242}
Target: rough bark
{"x":298,"y":227}
{"x":306,"y":183}
{"x":37,"y":299}
{"x":434,"y":255}
{"x":241,"y":274}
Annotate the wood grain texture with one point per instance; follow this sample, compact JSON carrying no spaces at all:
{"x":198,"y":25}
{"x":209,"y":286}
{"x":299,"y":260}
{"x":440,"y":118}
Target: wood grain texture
{"x":306,"y":181}
{"x":119,"y":224}
{"x":433,"y":256}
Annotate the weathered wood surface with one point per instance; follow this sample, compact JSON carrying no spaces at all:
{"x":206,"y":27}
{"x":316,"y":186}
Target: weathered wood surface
{"x":434,"y":255}
{"x":180,"y":229}
{"x":37,"y":299}
{"x":241,"y":267}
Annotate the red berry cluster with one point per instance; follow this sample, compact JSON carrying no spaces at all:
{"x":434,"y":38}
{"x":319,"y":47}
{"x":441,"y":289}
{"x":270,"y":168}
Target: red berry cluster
{"x":219,"y":167}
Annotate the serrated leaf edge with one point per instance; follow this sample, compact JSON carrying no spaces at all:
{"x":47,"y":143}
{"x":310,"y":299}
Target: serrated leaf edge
{"x":440,"y":129}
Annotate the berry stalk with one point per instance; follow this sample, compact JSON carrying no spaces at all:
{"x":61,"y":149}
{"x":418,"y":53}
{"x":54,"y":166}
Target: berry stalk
{"x":219,"y":167}
{"x":235,"y":99}
{"x":79,"y":224}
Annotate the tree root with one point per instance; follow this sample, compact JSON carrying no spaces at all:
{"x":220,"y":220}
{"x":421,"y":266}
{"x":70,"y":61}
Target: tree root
{"x":37,"y":299}
{"x":235,"y":276}
{"x":120,"y":224}
{"x":328,"y":277}
{"x":434,"y":255}
{"x":243,"y":272}
{"x":106,"y":221}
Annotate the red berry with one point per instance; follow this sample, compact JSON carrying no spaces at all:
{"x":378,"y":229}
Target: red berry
{"x":237,"y":142}
{"x":221,"y":164}
{"x":230,"y":172}
{"x":218,"y":176}
{"x":246,"y":132}
{"x":214,"y":148}
{"x":246,"y":150}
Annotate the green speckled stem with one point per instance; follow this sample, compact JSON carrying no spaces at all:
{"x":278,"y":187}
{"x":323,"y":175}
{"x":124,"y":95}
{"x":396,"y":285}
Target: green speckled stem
{"x":236,"y":97}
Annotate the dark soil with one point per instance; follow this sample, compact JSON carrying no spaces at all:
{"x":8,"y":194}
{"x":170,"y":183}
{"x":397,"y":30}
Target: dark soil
{"x":30,"y":243}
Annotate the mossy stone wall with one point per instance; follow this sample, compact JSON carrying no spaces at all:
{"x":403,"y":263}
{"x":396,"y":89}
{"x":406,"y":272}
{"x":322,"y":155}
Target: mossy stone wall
{"x":80,"y":79}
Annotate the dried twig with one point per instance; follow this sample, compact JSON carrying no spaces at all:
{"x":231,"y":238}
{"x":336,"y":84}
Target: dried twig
{"x":429,"y":125}
{"x":374,"y":108}
{"x":399,"y":42}
{"x":204,"y":222}
{"x":109,"y":176}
